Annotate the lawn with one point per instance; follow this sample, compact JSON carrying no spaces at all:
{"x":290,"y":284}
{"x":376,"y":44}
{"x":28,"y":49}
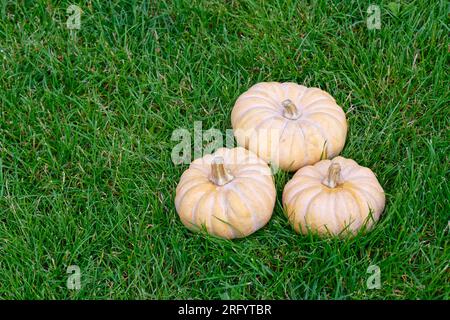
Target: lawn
{"x":86,"y":121}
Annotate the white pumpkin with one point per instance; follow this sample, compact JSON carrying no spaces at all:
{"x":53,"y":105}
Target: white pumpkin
{"x":230,"y":194}
{"x":288,"y":124}
{"x":333,"y":197}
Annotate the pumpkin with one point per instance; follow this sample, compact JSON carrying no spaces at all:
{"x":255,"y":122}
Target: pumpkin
{"x":334,"y":197}
{"x":230,"y":194}
{"x":288,"y":124}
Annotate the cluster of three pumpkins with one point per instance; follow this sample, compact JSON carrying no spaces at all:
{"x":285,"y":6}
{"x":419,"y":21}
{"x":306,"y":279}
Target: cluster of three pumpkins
{"x":231,"y":193}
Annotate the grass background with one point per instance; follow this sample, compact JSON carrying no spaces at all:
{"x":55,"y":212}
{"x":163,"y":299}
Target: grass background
{"x":86,"y":121}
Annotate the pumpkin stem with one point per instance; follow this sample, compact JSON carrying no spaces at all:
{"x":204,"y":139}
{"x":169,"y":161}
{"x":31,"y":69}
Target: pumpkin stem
{"x":333,"y":177}
{"x":290,"y":110}
{"x":219,"y":175}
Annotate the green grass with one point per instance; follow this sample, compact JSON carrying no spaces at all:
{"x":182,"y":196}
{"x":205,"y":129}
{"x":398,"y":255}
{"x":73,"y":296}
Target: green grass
{"x":86,"y":118}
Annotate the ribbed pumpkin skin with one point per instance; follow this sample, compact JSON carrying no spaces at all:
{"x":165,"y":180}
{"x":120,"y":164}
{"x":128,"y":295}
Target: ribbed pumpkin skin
{"x":342,"y":210}
{"x":234,"y":210}
{"x":320,"y":130}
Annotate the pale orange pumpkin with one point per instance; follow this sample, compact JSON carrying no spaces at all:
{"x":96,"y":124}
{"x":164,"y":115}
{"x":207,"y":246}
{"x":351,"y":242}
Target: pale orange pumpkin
{"x":230,"y":194}
{"x":288,"y":124}
{"x":334,"y":197}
